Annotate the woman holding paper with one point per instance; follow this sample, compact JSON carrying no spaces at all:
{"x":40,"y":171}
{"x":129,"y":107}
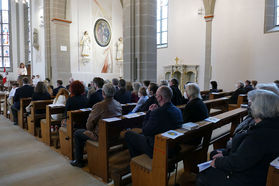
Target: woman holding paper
{"x":248,"y":161}
{"x":60,"y":100}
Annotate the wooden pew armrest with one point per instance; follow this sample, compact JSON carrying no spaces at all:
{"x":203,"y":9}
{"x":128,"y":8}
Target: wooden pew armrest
{"x":143,"y":161}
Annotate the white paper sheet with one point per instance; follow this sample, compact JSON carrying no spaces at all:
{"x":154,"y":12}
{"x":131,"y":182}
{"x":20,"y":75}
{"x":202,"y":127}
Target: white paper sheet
{"x":204,"y":165}
{"x":190,"y":126}
{"x":111,"y":119}
{"x":172,"y":134}
{"x":85,"y":109}
{"x":275,"y":163}
{"x":212,"y":119}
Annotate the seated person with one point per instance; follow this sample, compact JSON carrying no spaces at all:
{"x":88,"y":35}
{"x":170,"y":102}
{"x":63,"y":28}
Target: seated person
{"x":157,"y":120}
{"x":151,"y":92}
{"x":122,"y":95}
{"x":248,"y":87}
{"x":195,"y":110}
{"x":254,"y":83}
{"x":40,"y":93}
{"x":240,"y":90}
{"x":277,"y":83}
{"x":60,"y":99}
{"x":115,"y":83}
{"x":107,"y":108}
{"x":248,"y":160}
{"x":134,"y":96}
{"x":143,"y":98}
{"x":25,"y":91}
{"x":97,"y":96}
{"x":76,"y":101}
{"x":177,"y":98}
{"x":214,"y":87}
{"x":59,"y":85}
{"x":12,"y":92}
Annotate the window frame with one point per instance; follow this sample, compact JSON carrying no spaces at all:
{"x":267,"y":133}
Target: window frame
{"x":276,"y":19}
{"x":161,"y":19}
{"x":2,"y":45}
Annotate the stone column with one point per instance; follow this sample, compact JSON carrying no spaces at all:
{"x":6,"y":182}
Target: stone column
{"x":140,"y":48}
{"x":57,"y":33}
{"x":209,"y":15}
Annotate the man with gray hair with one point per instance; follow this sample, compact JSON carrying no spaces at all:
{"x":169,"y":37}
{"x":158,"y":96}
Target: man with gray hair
{"x":157,"y":120}
{"x":240,"y":90}
{"x":107,"y":108}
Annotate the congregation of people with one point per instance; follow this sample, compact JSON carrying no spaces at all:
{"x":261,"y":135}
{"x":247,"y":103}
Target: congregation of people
{"x":244,"y":161}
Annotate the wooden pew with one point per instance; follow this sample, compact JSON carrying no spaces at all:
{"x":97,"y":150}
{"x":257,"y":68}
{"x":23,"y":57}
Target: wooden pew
{"x":33,"y":120}
{"x":74,"y":118}
{"x":216,"y":95}
{"x":48,"y":122}
{"x":242,"y":98}
{"x":21,"y":114}
{"x":127,"y":108}
{"x":147,"y":171}
{"x":6,"y":106}
{"x":205,"y":93}
{"x":98,"y":153}
{"x":273,"y":175}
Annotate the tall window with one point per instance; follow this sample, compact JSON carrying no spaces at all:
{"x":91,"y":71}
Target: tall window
{"x":162,"y":23}
{"x":28,"y":36}
{"x":277,"y":12}
{"x":5,"y":60}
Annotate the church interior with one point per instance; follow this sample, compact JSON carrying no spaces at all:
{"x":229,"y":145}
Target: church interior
{"x":124,"y":92}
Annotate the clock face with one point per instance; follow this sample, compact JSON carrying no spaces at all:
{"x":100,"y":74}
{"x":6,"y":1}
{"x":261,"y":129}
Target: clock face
{"x":102,"y":32}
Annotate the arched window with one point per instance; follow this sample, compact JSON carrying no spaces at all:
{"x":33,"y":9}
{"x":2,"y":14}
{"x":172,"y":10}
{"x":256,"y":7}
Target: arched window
{"x":162,"y":23}
{"x":271,"y":16}
{"x":5,"y":49}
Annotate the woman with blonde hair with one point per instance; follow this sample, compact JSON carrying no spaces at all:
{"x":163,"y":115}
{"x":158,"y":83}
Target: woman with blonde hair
{"x":60,"y":100}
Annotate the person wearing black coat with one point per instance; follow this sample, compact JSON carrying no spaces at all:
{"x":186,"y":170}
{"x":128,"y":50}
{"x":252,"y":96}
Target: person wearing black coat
{"x":122,"y":95}
{"x":59,"y":85}
{"x":157,"y":120}
{"x":240,"y":90}
{"x":40,"y":93}
{"x":25,"y":91}
{"x":152,"y":89}
{"x":248,"y":87}
{"x":177,"y":98}
{"x":252,"y":151}
{"x":195,"y":110}
{"x":96,"y":96}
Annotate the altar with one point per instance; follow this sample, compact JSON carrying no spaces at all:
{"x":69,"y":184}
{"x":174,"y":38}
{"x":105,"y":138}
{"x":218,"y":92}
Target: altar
{"x":183,"y":73}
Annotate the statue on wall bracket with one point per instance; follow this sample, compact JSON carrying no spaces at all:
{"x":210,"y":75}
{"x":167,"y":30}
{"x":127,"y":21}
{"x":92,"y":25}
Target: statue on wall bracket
{"x":86,"y":47}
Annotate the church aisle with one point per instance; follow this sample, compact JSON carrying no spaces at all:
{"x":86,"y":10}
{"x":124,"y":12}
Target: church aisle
{"x":26,"y":161}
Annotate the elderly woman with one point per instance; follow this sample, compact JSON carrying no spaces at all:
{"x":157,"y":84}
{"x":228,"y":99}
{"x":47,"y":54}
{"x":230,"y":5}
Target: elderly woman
{"x":195,"y":110}
{"x":248,"y":161}
{"x":107,"y":108}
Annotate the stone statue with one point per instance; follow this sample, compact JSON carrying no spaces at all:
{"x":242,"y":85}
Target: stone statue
{"x":119,"y":50}
{"x":36,"y":39}
{"x":85,"y":43}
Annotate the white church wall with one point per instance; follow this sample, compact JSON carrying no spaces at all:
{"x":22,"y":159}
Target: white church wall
{"x":13,"y":75}
{"x":38,"y":58}
{"x":240,"y":49}
{"x":186,"y":37}
{"x":83,"y":14}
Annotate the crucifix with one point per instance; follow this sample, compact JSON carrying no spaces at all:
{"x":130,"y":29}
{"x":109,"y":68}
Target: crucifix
{"x":176,"y":60}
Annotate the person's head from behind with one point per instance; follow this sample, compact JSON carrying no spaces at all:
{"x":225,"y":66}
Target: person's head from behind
{"x":192,"y":91}
{"x":21,"y":65}
{"x":62,"y":92}
{"x":214,"y":85}
{"x":174,"y":82}
{"x":25,"y":81}
{"x":268,"y":86}
{"x":142,"y":92}
{"x":76,"y":88}
{"x":247,"y":82}
{"x":122,"y":83}
{"x":71,"y":80}
{"x":129,"y":86}
{"x":108,"y":90}
{"x":239,"y":85}
{"x":48,"y":80}
{"x":37,"y":76}
{"x":15,"y":85}
{"x":277,"y":83}
{"x":163,"y":95}
{"x":59,"y":83}
{"x":254,"y":83}
{"x":41,"y":88}
{"x":115,"y":81}
{"x":264,"y":104}
{"x":146,"y":83}
{"x":164,"y":83}
{"x":136,"y":86}
{"x":98,"y":82}
{"x":152,"y":89}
